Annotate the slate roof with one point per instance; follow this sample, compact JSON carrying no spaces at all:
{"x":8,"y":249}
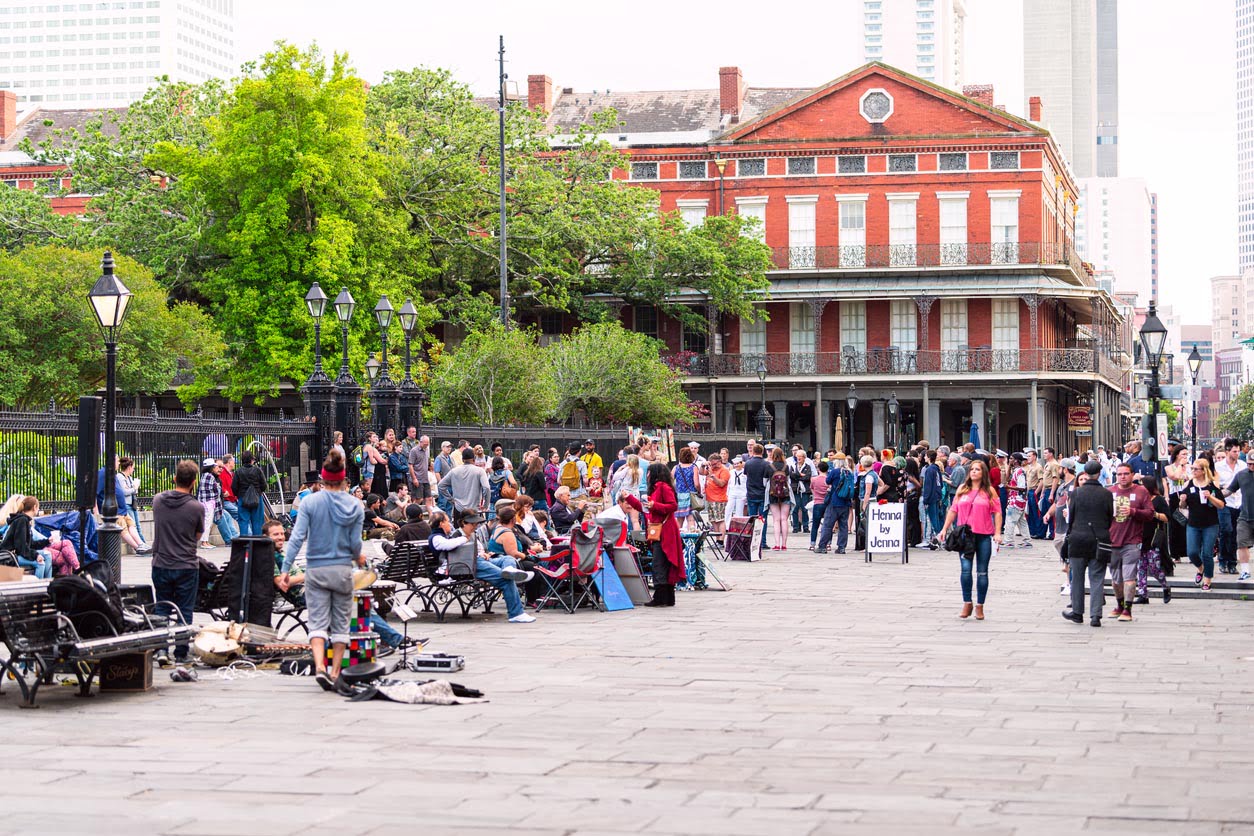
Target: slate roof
{"x":690,"y":112}
{"x":42,"y":125}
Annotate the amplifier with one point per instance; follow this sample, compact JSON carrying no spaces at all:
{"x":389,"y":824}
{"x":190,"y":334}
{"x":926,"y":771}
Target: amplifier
{"x":436,"y":662}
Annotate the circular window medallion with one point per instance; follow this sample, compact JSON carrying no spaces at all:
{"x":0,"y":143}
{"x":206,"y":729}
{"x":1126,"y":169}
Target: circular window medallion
{"x":876,"y":106}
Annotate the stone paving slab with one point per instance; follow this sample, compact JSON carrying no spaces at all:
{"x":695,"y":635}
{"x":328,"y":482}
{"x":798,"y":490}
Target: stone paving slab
{"x":821,"y":695}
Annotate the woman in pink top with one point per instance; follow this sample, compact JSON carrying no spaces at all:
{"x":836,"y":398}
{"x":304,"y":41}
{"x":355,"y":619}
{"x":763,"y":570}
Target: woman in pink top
{"x":976,"y":505}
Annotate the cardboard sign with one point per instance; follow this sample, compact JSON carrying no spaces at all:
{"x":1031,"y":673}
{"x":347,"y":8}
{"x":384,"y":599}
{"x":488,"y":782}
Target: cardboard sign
{"x":886,"y":529}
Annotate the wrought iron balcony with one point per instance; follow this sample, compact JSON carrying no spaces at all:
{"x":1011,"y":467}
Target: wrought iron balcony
{"x":913,"y":256}
{"x":885,"y":361}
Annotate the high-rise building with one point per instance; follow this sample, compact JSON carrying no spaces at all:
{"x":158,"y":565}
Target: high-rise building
{"x":1228,"y":308}
{"x":1107,"y":38}
{"x":1200,"y":336}
{"x":1116,"y":232}
{"x":102,"y":54}
{"x":925,"y":37}
{"x":1071,"y":60}
{"x":1245,"y":135}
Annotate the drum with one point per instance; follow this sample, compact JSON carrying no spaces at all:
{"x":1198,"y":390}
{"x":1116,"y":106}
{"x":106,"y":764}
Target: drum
{"x":383,"y":592}
{"x":359,"y":651}
{"x":363,"y":608}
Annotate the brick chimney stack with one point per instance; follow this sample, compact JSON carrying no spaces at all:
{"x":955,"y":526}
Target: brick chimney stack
{"x":540,"y":93}
{"x":8,"y":114}
{"x":1034,"y":109}
{"x":982,"y":93}
{"x":731,"y":92}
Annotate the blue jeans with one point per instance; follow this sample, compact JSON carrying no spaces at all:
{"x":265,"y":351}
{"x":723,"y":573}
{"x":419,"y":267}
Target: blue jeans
{"x":800,"y":519}
{"x":817,"y":521}
{"x":1035,"y":527}
{"x":1003,"y":496}
{"x":934,"y":519}
{"x":490,"y":570}
{"x":250,"y":521}
{"x":226,"y":525}
{"x":979,"y":560}
{"x":834,"y":516}
{"x":43,"y":571}
{"x":1201,"y":543}
{"x":176,"y":589}
{"x":380,"y":625}
{"x":133,"y":513}
{"x":1047,"y":499}
{"x":757,"y":508}
{"x":1228,"y":536}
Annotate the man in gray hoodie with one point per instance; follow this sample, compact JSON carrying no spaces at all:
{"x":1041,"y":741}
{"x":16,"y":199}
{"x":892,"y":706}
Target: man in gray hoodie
{"x":178,"y":523}
{"x":468,"y":484}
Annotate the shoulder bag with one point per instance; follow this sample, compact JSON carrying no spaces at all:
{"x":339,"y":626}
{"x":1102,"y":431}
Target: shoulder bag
{"x":654,"y":534}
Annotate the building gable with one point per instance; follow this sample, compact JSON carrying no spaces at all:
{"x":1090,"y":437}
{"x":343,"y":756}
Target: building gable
{"x":877,"y":102}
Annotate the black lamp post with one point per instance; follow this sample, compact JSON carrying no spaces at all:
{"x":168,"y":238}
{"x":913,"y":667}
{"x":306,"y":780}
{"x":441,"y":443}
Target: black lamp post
{"x":1195,"y":366}
{"x":384,"y":394}
{"x":372,"y":370}
{"x":318,"y":391}
{"x":892,"y":420}
{"x":764,"y":417}
{"x":851,"y":401}
{"x":1153,"y":338}
{"x":347,"y":390}
{"x":109,"y":300}
{"x":410,"y":395}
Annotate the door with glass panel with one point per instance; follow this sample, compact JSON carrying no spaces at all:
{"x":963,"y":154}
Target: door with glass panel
{"x":752,"y":345}
{"x":954,"y":348}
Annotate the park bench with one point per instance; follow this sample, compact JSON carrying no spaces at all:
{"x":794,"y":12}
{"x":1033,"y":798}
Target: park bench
{"x":212,"y":599}
{"x":42,"y":641}
{"x":417,"y":567}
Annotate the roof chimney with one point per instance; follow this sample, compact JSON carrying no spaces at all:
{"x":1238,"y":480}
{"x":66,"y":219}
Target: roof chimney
{"x":540,"y":93}
{"x":731,"y":92}
{"x":982,"y":93}
{"x":1034,"y":109}
{"x":8,"y":114}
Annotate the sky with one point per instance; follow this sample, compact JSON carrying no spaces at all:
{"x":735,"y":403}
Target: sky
{"x":1177,"y":87}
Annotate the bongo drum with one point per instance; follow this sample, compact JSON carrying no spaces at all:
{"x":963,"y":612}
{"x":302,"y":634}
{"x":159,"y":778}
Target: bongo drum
{"x":362,"y":641}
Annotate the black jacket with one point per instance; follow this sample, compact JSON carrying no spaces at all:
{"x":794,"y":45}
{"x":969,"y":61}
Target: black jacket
{"x":1092,"y":510}
{"x":21,"y":537}
{"x":248,"y":476}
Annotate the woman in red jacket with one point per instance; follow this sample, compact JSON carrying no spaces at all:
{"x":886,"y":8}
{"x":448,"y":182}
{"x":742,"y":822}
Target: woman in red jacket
{"x":667,"y":553}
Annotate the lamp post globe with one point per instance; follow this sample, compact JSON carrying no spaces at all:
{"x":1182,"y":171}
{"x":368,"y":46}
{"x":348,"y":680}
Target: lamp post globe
{"x":110,"y":299}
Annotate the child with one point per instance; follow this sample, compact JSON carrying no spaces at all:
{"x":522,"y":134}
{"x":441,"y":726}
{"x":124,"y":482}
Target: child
{"x":596,"y":489}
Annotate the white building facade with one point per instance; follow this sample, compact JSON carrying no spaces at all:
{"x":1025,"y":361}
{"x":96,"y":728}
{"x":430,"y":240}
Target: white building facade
{"x":1229,"y":301}
{"x":107,"y":54}
{"x":1115,"y":232}
{"x":924,"y":37}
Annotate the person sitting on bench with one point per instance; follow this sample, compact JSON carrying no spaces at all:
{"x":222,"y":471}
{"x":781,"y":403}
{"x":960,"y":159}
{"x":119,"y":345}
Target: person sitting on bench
{"x":22,"y":540}
{"x":501,"y":572}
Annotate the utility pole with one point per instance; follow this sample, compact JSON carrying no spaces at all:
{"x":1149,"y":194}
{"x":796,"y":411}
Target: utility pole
{"x":501,"y":116}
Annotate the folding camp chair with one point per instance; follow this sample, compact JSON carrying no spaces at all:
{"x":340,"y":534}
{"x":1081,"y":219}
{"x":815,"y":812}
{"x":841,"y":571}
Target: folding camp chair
{"x":574,"y":570}
{"x":712,"y":540}
{"x":741,"y":536}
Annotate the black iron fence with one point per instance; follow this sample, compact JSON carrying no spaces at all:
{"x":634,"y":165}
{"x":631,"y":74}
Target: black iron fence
{"x":38,"y":450}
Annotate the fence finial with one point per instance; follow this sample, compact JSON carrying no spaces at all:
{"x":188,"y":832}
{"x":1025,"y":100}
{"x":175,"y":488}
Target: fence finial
{"x":241,"y":413}
{"x":200,"y":412}
{"x":52,"y":406}
{"x":282,"y":417}
{"x":152,"y":413}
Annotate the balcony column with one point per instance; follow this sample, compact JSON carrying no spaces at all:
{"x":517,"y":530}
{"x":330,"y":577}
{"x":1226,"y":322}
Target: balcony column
{"x":816,"y":308}
{"x":923,"y":410}
{"x":924,"y":303}
{"x":1098,"y":334}
{"x":781,"y":420}
{"x":877,"y":424}
{"x":822,"y":418}
{"x":1033,"y":301}
{"x":993,"y":440}
{"x":933,"y":423}
{"x":1033,"y":418}
{"x":713,"y":408}
{"x":729,"y":415}
{"x":978,"y":416}
{"x":1097,"y":436}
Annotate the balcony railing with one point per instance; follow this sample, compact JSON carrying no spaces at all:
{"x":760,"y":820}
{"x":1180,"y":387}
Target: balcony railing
{"x":862,"y":257}
{"x":881,"y":361}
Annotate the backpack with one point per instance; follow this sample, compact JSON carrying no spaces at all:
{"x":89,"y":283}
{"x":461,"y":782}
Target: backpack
{"x":570,"y":475}
{"x":848,"y":487}
{"x":779,"y":485}
{"x":92,"y":606}
{"x":357,"y":455}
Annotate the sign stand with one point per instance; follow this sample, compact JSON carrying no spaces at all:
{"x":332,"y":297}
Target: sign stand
{"x":886,"y":531}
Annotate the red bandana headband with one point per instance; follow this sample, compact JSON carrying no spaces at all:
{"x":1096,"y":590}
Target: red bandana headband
{"x":332,"y":475}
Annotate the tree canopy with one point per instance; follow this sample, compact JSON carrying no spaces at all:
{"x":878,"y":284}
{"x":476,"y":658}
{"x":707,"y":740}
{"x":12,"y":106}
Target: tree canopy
{"x":1238,"y":420}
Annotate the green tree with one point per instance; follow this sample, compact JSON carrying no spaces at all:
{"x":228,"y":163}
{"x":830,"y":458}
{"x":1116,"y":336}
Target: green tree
{"x":1238,"y":420}
{"x":51,"y":345}
{"x":493,"y":377}
{"x":616,"y":375}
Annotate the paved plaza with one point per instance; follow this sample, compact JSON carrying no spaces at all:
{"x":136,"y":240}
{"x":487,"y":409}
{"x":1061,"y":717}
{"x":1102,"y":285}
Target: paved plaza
{"x":821,"y":695}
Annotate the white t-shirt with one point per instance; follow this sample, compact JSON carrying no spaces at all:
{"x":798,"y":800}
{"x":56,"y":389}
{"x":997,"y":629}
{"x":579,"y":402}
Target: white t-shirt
{"x":1224,"y":474}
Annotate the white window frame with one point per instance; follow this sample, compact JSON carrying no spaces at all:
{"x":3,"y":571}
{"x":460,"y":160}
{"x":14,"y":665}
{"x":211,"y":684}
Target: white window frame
{"x":954,"y":237}
{"x":1003,"y":205}
{"x":903,"y":229}
{"x":802,"y":218}
{"x":853,"y":326}
{"x":754,"y":207}
{"x":1005,"y":317}
{"x":752,"y":345}
{"x":954,"y":346}
{"x":903,"y":331}
{"x":692,"y":211}
{"x":801,"y":338}
{"x":852,"y":237}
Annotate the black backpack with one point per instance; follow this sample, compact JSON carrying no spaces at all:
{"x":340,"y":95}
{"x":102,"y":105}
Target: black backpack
{"x":88,"y":604}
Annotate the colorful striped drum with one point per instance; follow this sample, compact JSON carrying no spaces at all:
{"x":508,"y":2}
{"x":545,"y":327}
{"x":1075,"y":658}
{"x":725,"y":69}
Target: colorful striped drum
{"x":362,"y":641}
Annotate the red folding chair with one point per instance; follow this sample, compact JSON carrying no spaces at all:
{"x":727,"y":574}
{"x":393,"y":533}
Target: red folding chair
{"x":568,"y":576}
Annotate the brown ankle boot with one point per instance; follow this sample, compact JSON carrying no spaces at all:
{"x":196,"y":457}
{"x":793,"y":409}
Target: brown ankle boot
{"x":979,"y":612}
{"x":966,"y":610}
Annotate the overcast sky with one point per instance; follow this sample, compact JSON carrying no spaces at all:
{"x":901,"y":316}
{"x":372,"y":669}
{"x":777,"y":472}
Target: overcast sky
{"x":1176,"y":77}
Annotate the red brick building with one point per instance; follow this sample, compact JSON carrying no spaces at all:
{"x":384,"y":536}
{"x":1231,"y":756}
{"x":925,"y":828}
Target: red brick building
{"x":922,"y":244}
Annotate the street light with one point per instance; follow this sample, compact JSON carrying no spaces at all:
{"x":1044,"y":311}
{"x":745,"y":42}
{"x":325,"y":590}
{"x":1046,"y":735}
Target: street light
{"x":109,"y":300}
{"x":764,"y":417}
{"x":408,"y":315}
{"x":1153,"y":339}
{"x":372,"y":368}
{"x":344,"y":306}
{"x":851,"y":401}
{"x":1195,"y":366}
{"x":409,"y":395}
{"x":721,"y":165}
{"x":316,"y":303}
{"x":892,"y":419}
{"x":384,"y":396}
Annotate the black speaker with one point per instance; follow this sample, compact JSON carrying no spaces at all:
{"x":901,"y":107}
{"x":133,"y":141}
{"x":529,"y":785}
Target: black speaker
{"x":251,"y":595}
{"x":89,"y":412}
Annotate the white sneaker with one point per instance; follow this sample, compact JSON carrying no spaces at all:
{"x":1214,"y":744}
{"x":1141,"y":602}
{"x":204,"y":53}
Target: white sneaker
{"x":522,"y":618}
{"x":207,"y":546}
{"x":1066,"y":589}
{"x":1245,"y":576}
{"x":517,"y":575}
